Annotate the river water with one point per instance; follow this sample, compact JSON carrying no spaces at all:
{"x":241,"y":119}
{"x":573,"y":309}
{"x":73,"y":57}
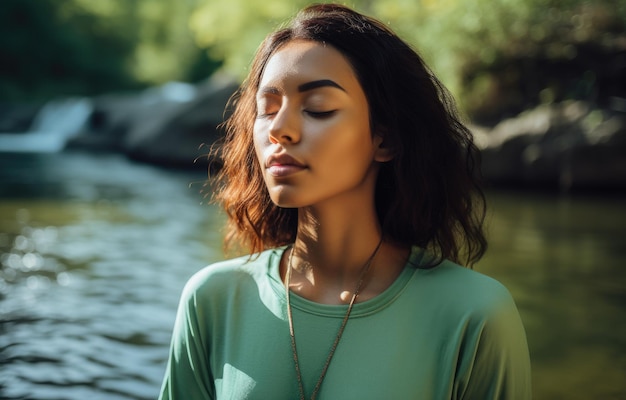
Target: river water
{"x":95,"y":250}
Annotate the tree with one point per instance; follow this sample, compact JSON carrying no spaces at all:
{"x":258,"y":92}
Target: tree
{"x":486,"y":51}
{"x":52,"y":48}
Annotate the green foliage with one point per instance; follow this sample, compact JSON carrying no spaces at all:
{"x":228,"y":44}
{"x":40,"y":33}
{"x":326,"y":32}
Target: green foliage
{"x":549,"y":51}
{"x":166,"y":49}
{"x":478,"y":48}
{"x":51,"y":48}
{"x":234,"y":29}
{"x":496,"y":56}
{"x":46,"y":50}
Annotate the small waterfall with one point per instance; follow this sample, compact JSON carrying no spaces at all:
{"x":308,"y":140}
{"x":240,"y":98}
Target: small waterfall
{"x":56,"y":122}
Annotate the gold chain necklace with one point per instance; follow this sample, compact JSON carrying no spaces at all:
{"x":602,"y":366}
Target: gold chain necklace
{"x":364,"y":270}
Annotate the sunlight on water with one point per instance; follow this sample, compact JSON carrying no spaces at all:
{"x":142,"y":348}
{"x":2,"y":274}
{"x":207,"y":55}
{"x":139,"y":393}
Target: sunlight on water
{"x":94,"y":251}
{"x":91,"y":276}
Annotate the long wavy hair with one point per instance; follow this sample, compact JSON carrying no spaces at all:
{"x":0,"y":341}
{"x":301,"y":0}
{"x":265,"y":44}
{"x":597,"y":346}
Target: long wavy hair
{"x":428,"y":195}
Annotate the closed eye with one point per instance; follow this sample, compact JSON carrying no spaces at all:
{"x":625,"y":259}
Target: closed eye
{"x":265,"y":115}
{"x":320,"y":114}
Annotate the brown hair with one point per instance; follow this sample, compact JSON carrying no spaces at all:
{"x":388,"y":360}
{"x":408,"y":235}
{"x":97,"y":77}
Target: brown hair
{"x":427,"y":195}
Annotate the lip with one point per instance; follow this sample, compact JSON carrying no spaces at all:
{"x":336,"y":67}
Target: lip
{"x":280,"y":165}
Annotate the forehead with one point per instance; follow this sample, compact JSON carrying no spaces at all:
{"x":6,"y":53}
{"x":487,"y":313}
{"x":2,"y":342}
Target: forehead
{"x":300,"y":61}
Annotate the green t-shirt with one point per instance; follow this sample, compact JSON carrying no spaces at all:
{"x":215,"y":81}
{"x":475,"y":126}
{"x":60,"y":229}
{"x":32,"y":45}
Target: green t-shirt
{"x":441,"y":333}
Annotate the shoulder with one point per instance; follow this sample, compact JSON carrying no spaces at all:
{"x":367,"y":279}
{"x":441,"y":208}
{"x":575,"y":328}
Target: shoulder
{"x":224,"y":276}
{"x":485,"y":332}
{"x":482,"y":329}
{"x":454,"y":276}
{"x":465,"y":291}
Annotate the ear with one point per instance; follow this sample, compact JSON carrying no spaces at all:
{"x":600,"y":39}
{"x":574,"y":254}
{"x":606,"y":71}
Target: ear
{"x":382,"y":153}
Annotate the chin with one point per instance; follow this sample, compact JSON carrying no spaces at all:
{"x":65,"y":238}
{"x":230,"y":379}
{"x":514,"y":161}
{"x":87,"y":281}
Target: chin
{"x":282,"y":199}
{"x":285,"y":203}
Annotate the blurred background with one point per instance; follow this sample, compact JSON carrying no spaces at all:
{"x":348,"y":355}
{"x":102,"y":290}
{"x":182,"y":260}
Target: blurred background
{"x":108,"y":109}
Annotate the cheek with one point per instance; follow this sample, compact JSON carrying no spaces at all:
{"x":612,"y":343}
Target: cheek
{"x":351,"y":139}
{"x":349,"y":153}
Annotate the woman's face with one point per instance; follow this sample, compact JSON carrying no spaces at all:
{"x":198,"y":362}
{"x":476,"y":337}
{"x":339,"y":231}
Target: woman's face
{"x":312,"y":134}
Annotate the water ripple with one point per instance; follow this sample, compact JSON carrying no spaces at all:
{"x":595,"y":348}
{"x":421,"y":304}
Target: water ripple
{"x":89,"y":284}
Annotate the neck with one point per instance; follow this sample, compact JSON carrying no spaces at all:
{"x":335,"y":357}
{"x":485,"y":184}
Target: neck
{"x":332,"y":247}
{"x":337,"y":242}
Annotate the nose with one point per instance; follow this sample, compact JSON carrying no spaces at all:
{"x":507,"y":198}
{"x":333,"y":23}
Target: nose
{"x":285,"y":127}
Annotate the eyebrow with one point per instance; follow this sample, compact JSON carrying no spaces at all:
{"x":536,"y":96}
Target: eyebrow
{"x":304,"y":87}
{"x":318,"y":84}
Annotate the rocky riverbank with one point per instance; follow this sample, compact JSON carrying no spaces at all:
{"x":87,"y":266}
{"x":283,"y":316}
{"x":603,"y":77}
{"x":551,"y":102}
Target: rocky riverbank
{"x":173,"y":125}
{"x":562,"y":146}
{"x":566,"y":146}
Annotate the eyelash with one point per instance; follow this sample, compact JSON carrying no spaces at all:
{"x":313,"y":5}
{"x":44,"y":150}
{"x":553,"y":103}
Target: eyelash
{"x":313,"y":114}
{"x":320,"y":114}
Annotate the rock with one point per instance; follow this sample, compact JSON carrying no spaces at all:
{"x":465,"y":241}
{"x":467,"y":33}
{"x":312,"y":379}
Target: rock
{"x":566,"y":146}
{"x":601,"y":162}
{"x":181,"y":133}
{"x":173,"y":125}
{"x":109,"y":122}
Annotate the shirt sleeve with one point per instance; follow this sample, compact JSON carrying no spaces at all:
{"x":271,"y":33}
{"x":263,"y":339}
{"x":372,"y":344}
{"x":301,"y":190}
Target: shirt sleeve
{"x":188,"y":375}
{"x":496,"y":363}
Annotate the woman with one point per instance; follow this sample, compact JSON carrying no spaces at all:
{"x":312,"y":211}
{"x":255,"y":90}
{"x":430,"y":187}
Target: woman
{"x":349,"y":177}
